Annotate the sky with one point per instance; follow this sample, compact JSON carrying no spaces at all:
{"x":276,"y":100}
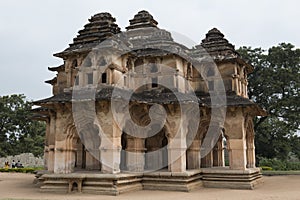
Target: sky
{"x":31,"y":31}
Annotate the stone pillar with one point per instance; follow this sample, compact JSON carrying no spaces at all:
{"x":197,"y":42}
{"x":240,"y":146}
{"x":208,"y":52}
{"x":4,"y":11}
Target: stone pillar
{"x":193,"y":155}
{"x":236,"y":138}
{"x":110,"y":149}
{"x":62,"y":165}
{"x":46,"y":157}
{"x":51,"y":142}
{"x":50,"y":162}
{"x":207,"y":161}
{"x":237,"y":154}
{"x":135,"y":159}
{"x":177,"y":152}
{"x":46,"y":148}
{"x":110,"y":155}
{"x":178,"y":123}
{"x":221,"y":156}
{"x":250,"y":153}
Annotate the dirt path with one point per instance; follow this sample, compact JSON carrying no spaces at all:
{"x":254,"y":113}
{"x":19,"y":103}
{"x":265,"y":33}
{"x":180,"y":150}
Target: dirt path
{"x":19,"y":186}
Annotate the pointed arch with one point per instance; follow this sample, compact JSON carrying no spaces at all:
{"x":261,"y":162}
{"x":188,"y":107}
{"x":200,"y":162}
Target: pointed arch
{"x":250,"y":147}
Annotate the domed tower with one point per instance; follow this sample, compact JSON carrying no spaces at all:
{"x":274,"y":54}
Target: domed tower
{"x":231,"y":66}
{"x":78,"y":55}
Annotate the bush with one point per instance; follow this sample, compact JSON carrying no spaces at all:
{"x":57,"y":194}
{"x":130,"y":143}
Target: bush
{"x":20,"y":170}
{"x":293,"y":165}
{"x":278,"y":165}
{"x":266,"y":168}
{"x":273,"y":163}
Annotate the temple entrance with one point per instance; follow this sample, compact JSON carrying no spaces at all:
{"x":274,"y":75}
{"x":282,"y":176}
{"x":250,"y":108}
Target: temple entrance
{"x":80,"y":155}
{"x":156,"y":157}
{"x":86,"y":149}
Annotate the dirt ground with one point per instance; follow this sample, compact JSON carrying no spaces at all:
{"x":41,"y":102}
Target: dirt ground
{"x":19,"y":186}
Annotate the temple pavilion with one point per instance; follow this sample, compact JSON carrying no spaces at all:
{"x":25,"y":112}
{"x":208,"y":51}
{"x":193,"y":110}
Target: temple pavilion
{"x":135,"y":109}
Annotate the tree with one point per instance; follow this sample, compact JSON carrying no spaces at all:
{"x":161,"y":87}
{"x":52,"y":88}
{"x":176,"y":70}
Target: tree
{"x":274,"y":85}
{"x":18,"y":132}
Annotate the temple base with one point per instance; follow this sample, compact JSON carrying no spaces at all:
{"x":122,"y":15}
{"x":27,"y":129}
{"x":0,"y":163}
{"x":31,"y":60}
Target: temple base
{"x":115,"y":184}
{"x":173,"y":181}
{"x":232,"y":179}
{"x":104,"y":184}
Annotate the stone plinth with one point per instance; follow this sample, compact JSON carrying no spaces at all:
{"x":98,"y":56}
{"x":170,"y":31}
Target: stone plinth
{"x":232,"y":179}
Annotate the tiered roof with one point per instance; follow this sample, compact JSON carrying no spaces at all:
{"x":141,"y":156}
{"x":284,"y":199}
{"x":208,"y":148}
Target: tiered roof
{"x":142,"y":20}
{"x":100,"y":27}
{"x":146,"y":39}
{"x":219,"y":49}
{"x":216,"y":45}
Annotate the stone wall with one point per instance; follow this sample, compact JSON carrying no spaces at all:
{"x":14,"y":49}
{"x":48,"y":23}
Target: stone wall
{"x":27,"y":160}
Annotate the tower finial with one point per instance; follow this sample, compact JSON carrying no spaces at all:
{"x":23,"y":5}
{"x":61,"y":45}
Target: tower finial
{"x":142,"y":19}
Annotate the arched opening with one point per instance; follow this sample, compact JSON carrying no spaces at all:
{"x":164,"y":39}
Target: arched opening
{"x":206,"y":149}
{"x":90,"y":78}
{"x":226,"y":151}
{"x":74,"y":187}
{"x":102,"y":61}
{"x":73,"y":145}
{"x":211,"y":72}
{"x":79,"y":155}
{"x":83,"y":152}
{"x":87,"y":62}
{"x":104,"y":78}
{"x":218,"y":153}
{"x":90,"y":156}
{"x":83,"y":156}
{"x":189,"y":72}
{"x":129,"y":64}
{"x":74,"y":64}
{"x":154,"y":82}
{"x":138,"y":66}
{"x":77,"y":80}
{"x":250,"y":149}
{"x":156,"y":152}
{"x":211,"y":81}
{"x":153,"y":68}
{"x":165,"y":152}
{"x":123,"y":164}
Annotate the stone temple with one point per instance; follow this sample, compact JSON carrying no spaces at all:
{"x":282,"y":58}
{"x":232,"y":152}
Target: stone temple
{"x":135,"y":110}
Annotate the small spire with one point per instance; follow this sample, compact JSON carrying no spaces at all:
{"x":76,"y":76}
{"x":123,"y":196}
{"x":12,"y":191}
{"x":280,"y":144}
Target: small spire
{"x":142,"y":20}
{"x":100,"y":27}
{"x":215,"y":43}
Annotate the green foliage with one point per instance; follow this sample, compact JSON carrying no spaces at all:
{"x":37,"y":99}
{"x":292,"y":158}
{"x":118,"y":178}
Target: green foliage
{"x":18,"y":132}
{"x":274,"y":85}
{"x":292,"y":165}
{"x":266,"y":168}
{"x":20,"y":170}
{"x":278,"y":165}
{"x":273,"y":163}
